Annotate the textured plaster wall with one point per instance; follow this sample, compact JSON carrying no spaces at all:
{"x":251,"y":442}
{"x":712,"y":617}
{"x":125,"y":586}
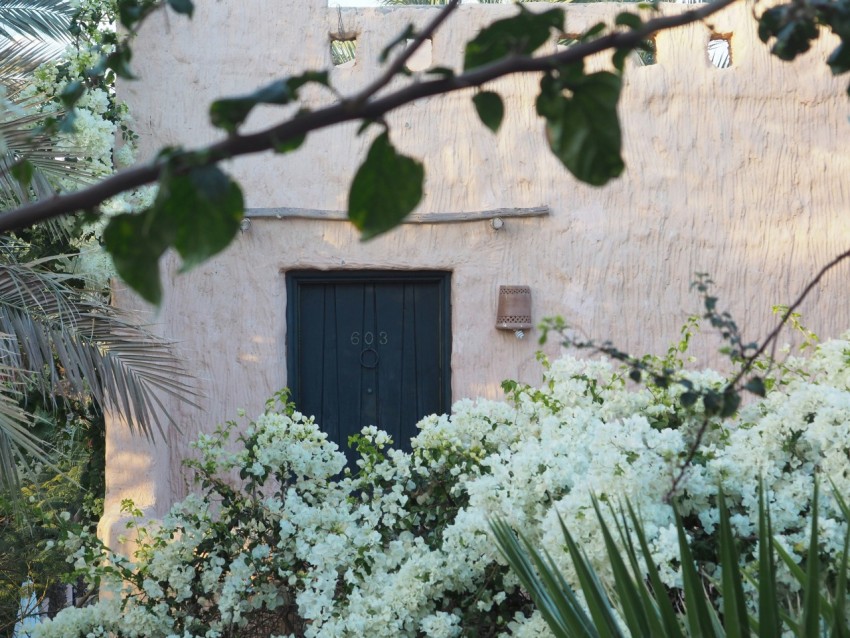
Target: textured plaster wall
{"x":740,"y":172}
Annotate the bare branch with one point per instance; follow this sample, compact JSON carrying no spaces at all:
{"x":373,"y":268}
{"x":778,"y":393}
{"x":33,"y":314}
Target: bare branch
{"x":750,"y":361}
{"x":399,"y":63}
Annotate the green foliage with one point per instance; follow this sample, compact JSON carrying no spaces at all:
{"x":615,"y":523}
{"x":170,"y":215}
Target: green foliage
{"x":642,"y":603}
{"x":230,"y":113}
{"x":196,"y":212}
{"x":582,"y":126}
{"x":521,"y":34}
{"x":31,"y":523}
{"x":490,"y":109}
{"x":792,"y":28}
{"x":385,"y":189}
{"x":580,"y":109}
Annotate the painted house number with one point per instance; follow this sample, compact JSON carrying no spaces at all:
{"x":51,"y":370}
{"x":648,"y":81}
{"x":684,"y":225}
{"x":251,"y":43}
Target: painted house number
{"x":369,"y":338}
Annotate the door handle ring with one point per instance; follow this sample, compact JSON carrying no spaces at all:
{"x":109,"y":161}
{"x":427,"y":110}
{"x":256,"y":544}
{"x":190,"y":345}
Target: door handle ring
{"x":370,"y":361}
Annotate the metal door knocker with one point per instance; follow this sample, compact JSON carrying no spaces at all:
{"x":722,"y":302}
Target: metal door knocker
{"x":369,"y":358}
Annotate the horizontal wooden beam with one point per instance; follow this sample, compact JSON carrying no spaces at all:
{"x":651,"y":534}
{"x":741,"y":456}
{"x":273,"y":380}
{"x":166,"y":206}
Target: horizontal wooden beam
{"x":415,"y":218}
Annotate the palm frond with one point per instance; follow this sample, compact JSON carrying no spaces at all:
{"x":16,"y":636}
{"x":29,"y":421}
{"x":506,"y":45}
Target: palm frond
{"x":18,"y":59}
{"x":71,"y":343}
{"x":17,"y":440}
{"x":37,"y":19}
{"x":22,"y":140}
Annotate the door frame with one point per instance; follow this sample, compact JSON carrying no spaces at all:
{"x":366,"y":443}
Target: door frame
{"x":295,"y":278}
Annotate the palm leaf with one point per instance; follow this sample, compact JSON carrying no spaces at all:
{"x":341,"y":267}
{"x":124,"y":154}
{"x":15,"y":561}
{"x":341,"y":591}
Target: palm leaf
{"x":53,"y":164}
{"x":19,"y":59}
{"x":36,"y":19}
{"x":71,"y":343}
{"x":16,"y":436}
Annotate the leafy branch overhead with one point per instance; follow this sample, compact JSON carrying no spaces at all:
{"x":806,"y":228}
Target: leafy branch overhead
{"x":199,"y":206}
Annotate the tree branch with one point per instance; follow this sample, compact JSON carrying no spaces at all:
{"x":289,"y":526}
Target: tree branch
{"x":364,"y":106}
{"x":749,"y":362}
{"x":398,"y":64}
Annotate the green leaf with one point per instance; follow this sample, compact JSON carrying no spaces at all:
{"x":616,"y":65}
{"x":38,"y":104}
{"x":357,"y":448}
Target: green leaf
{"x":698,"y":613}
{"x":732,"y":587}
{"x":628,"y":19}
{"x":204,"y":208}
{"x":667,"y":614}
{"x":839,"y":59}
{"x":197,"y":212}
{"x":136,"y":243}
{"x":130,"y":12}
{"x":839,"y":623}
{"x":119,"y":61}
{"x":770,"y":622}
{"x":490,"y":109}
{"x":811,"y":585}
{"x":386,"y":188}
{"x":555,"y":599}
{"x":521,"y":34}
{"x":756,"y":386}
{"x":184,"y":7}
{"x":688,"y":399}
{"x":593,"y":31}
{"x":287,"y":146}
{"x":442,"y":71}
{"x":72,"y":92}
{"x":633,"y":611}
{"x":619,"y":59}
{"x":594,"y":592}
{"x":583,"y":129}
{"x":230,"y":113}
{"x":731,"y":402}
{"x":23,"y":172}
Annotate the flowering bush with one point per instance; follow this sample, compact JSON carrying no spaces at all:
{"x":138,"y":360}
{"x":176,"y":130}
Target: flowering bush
{"x":300,"y":546}
{"x":89,"y":141}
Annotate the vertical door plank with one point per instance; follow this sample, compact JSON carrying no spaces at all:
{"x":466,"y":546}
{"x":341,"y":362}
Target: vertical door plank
{"x":368,"y":364}
{"x":331,"y":421}
{"x":310,"y":356}
{"x":349,"y":319}
{"x":389,"y":302}
{"x":427,"y":327}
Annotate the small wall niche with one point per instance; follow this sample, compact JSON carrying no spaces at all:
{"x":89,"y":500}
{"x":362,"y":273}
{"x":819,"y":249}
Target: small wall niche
{"x":343,"y":52}
{"x":719,"y":50}
{"x":647,"y":53}
{"x":422,"y":58}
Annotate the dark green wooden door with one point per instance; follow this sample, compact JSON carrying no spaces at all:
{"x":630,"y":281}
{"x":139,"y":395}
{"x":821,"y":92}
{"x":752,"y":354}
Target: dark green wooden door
{"x":368,"y":348}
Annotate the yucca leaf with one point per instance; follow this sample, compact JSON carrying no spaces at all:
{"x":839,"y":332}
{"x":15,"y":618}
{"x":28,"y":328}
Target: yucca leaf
{"x":698,"y":615}
{"x":811,"y":584}
{"x":769,"y":621}
{"x":631,"y":604}
{"x":558,"y":605}
{"x":665,"y":607}
{"x":839,"y":622}
{"x":648,"y":604}
{"x":595,"y":596}
{"x":734,"y":607}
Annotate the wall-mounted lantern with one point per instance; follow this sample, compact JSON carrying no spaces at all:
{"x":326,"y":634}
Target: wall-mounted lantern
{"x":514,"y":309}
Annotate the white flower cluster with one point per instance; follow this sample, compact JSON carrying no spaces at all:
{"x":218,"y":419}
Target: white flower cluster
{"x":100,"y":139}
{"x":402,"y":546}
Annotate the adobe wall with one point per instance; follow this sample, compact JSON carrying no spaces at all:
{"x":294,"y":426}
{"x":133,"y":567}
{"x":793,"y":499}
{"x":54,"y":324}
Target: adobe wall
{"x":740,"y":172}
